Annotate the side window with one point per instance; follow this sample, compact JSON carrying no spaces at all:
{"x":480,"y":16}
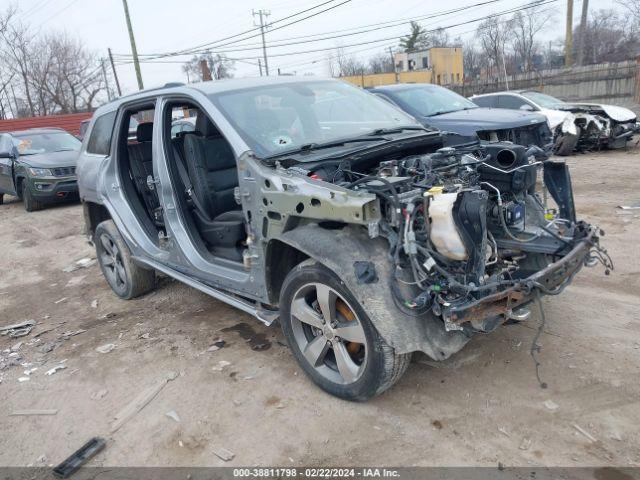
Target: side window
{"x":100,"y":139}
{"x":510,"y":102}
{"x":486,"y":102}
{"x":183,"y":119}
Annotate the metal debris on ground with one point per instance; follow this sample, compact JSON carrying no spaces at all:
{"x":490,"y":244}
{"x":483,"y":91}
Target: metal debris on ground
{"x":18,"y":329}
{"x":581,"y":430}
{"x":224,"y":454}
{"x":82,"y":263}
{"x":504,"y":431}
{"x":79,"y":457}
{"x":221,"y":366}
{"x":634,"y":206}
{"x":30,"y":371}
{"x":94,"y":304}
{"x":106,"y":348}
{"x":23,"y":379}
{"x":173,"y":415}
{"x":525,"y":444}
{"x":140,"y":402}
{"x":551,"y":405}
{"x":60,"y":301}
{"x":55,"y":369}
{"x":66,"y":335}
{"x":16,"y":413}
{"x":216,"y":346}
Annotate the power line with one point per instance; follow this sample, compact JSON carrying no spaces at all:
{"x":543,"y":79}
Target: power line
{"x":296,"y":64}
{"x":64,"y":9}
{"x":189,"y":51}
{"x":382,"y":25}
{"x":379,"y":40}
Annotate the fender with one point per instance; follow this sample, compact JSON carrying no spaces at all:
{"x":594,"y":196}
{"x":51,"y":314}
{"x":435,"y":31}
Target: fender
{"x":338,"y":250}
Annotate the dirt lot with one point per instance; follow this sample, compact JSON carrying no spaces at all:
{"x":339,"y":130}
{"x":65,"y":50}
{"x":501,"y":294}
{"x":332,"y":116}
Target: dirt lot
{"x":481,"y":407}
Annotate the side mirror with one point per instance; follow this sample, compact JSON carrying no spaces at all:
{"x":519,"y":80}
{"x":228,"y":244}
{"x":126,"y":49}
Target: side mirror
{"x":526,"y":107}
{"x":7,"y":155}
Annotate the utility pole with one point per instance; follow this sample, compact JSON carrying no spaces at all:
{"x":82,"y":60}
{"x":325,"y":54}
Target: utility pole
{"x":106,"y":79}
{"x":206,"y":72}
{"x":115,"y":74}
{"x":134,"y":50}
{"x":583,"y":30}
{"x":262,"y":15}
{"x":260,"y":66}
{"x":568,"y":36}
{"x":393,"y":63}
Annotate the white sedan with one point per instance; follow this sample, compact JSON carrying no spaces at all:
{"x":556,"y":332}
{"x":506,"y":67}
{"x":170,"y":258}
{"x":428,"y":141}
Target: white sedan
{"x":581,"y":126}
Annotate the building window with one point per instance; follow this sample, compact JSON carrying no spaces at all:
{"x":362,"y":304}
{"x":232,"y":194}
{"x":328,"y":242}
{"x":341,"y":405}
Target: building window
{"x":400,"y":65}
{"x":425,"y":62}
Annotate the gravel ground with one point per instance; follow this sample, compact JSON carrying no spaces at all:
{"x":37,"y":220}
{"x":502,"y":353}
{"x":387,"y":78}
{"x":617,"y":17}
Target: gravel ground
{"x":481,"y":407}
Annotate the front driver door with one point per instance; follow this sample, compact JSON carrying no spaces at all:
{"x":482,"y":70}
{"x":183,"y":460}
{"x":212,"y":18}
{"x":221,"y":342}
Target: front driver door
{"x":6,"y":166}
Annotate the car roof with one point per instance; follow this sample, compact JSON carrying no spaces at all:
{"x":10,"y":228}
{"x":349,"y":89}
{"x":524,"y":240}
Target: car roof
{"x":37,"y":131}
{"x":211,"y":87}
{"x":403,"y":86}
{"x":504,"y":92}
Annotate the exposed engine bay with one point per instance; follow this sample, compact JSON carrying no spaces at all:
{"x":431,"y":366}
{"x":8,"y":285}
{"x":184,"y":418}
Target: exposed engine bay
{"x":599,"y":126}
{"x":470,"y":238}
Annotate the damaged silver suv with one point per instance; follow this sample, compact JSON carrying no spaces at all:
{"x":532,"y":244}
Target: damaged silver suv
{"x":316,"y":203}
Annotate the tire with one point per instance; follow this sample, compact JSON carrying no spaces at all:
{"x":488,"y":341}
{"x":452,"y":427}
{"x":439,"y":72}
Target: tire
{"x":368,"y":366}
{"x":30,"y":203}
{"x":125,"y":278}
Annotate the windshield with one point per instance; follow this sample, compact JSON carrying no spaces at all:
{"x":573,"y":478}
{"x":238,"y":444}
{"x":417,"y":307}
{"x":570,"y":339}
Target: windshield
{"x":274,"y":119}
{"x":36,"y":143}
{"x":542,"y":99}
{"x":429,"y":100}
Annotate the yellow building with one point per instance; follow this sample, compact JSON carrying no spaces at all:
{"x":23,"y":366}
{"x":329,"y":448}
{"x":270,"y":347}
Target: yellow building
{"x":440,"y":65}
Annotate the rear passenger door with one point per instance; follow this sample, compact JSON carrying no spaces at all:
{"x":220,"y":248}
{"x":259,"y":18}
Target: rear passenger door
{"x":490,"y":101}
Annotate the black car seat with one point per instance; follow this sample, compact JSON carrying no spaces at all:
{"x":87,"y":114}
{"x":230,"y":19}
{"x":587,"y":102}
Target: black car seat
{"x":213,"y":174}
{"x":141,"y":165}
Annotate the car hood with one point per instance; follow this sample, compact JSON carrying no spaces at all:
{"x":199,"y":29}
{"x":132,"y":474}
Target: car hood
{"x":619,"y":114}
{"x":467,"y":122}
{"x":51,"y":160}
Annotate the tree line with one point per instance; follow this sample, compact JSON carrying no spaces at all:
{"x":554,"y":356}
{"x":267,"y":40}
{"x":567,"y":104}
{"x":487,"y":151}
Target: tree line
{"x":45,"y":73}
{"x":519,"y":43}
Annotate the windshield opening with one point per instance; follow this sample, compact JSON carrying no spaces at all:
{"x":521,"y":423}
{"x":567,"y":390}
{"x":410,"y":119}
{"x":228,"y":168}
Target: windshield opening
{"x":38,"y":143}
{"x":276,"y":119}
{"x":430,"y":100}
{"x":542,"y":99}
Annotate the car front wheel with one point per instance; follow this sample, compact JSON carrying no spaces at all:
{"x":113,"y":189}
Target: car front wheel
{"x":125,"y":278}
{"x":332,"y":337}
{"x":30,"y":203}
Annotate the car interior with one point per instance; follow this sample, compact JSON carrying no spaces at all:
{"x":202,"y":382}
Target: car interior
{"x":205,"y":174}
{"x":136,"y":168}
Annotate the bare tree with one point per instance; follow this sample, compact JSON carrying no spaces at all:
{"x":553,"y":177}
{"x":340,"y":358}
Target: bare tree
{"x":493,"y":35}
{"x":632,"y":8}
{"x":65,"y":77}
{"x":219,"y":65}
{"x":344,"y":65}
{"x":472,"y":60}
{"x":525,"y":28}
{"x":608,"y":37}
{"x":381,"y":63}
{"x":15,"y":51}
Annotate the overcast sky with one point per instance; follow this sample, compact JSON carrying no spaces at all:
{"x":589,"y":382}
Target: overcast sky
{"x":170,"y":25}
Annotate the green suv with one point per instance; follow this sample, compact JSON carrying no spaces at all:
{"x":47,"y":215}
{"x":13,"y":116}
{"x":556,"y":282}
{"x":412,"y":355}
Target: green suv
{"x":38,"y":166}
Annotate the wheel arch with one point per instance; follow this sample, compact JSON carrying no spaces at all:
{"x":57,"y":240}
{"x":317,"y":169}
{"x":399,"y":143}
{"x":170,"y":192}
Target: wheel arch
{"x":94,"y":214}
{"x":338,"y":250}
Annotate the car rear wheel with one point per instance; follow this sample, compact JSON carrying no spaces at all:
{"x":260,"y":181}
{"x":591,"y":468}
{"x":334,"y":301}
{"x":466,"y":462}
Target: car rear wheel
{"x":30,"y":203}
{"x":125,"y":278}
{"x":332,"y":337}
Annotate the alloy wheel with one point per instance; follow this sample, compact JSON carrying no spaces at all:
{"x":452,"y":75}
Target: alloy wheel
{"x":329,"y":333}
{"x":111,"y":259}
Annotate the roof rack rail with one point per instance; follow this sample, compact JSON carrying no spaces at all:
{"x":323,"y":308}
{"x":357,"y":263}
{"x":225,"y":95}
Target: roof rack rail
{"x":174,"y":84}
